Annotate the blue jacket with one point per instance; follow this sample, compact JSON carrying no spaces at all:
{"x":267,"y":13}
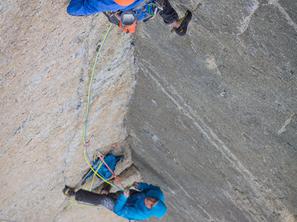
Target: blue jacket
{"x":133,"y":207}
{"x":110,"y":159}
{"x":89,"y":7}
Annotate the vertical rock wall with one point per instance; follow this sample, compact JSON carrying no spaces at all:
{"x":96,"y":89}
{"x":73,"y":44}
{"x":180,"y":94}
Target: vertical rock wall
{"x":213,"y":114}
{"x":45,"y":61}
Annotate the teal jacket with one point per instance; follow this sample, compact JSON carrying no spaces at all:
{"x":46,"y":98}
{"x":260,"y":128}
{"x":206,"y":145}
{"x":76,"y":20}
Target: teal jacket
{"x":133,"y":207}
{"x":89,"y":7}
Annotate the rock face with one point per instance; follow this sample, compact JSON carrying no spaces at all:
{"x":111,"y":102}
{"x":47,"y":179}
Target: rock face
{"x":213,"y":116}
{"x":45,"y":62}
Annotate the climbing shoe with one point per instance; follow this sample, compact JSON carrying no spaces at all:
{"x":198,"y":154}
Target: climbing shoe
{"x":68,"y":191}
{"x":182,"y":29}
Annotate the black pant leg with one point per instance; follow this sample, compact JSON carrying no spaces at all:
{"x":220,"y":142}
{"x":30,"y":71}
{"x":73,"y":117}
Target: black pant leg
{"x":95,"y":199}
{"x":168,"y":13}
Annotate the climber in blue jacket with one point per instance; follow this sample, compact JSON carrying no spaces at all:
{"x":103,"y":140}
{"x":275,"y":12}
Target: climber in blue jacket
{"x":147,"y":202}
{"x":114,"y":9}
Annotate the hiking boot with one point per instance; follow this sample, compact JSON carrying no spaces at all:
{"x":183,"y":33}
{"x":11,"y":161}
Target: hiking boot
{"x":182,"y":29}
{"x":68,"y":191}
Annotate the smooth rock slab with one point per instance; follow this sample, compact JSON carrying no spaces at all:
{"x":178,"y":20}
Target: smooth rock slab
{"x":213,"y":113}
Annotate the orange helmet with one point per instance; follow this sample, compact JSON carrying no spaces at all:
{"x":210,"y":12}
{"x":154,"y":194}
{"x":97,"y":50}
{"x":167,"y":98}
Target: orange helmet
{"x":124,"y":2}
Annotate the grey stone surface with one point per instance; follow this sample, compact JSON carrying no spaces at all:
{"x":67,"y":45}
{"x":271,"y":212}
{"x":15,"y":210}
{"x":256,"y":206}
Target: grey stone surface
{"x":45,"y":59}
{"x":213,"y":116}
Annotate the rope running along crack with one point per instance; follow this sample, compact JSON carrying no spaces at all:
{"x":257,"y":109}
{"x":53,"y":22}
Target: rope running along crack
{"x":86,"y":115}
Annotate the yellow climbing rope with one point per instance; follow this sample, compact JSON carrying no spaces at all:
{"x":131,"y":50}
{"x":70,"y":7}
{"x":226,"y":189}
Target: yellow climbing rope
{"x":93,"y":177}
{"x":87,"y":110}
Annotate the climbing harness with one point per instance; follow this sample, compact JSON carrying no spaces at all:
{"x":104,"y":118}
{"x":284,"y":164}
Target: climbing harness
{"x":86,"y":117}
{"x":127,"y":20}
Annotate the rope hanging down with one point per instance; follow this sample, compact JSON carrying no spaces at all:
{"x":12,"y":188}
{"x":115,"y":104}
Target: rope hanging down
{"x":93,"y":177}
{"x":86,"y":116}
